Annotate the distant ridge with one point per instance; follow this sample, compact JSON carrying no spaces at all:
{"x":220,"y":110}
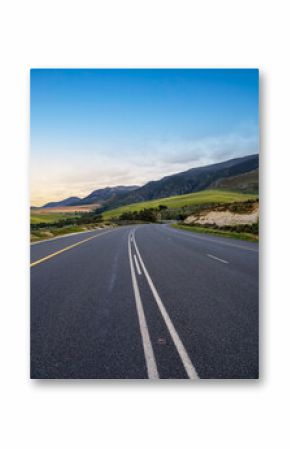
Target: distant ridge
{"x":107,"y":194}
{"x":189,"y":181}
{"x":71,"y":201}
{"x":192,"y":180}
{"x":97,"y":196}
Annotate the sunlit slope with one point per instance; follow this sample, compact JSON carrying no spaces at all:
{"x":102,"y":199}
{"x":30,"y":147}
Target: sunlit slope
{"x":179,"y":201}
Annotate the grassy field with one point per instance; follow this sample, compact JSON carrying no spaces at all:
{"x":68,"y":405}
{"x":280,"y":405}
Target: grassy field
{"x":54,"y":214}
{"x":49,"y":217}
{"x":177,"y":202}
{"x":234,"y":235}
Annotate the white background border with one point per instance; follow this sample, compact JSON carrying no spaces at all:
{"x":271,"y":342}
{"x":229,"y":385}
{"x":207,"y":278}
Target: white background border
{"x":67,"y":414}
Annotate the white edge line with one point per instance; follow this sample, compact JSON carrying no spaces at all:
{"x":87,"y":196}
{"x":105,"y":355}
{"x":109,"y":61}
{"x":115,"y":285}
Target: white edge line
{"x":188,"y":366}
{"x":217,"y":258}
{"x":147,"y":345}
{"x":137,"y":265}
{"x":184,"y":233}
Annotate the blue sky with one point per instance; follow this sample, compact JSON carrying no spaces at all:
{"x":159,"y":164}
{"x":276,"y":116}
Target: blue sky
{"x":93,"y":128}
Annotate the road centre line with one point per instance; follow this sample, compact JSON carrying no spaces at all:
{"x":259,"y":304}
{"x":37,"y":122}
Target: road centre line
{"x":217,"y":258}
{"x":188,"y":366}
{"x":137,"y":265}
{"x":147,"y":345}
{"x":66,"y":249}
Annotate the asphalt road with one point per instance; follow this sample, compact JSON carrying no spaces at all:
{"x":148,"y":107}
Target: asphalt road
{"x":144,"y":301}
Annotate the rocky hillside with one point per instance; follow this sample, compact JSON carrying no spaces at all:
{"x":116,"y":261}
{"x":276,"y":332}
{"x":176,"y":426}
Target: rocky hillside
{"x":227,"y":215}
{"x":244,"y":183}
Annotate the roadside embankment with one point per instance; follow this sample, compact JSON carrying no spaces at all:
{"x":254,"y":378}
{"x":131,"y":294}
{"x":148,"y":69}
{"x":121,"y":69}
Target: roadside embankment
{"x":236,"y":220}
{"x":50,"y":232}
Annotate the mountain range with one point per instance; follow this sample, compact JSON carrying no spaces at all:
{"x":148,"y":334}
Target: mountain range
{"x":99,"y":196}
{"x":231,"y":172}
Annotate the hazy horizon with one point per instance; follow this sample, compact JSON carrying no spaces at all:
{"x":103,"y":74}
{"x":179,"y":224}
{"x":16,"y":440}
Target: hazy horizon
{"x":96,"y":128}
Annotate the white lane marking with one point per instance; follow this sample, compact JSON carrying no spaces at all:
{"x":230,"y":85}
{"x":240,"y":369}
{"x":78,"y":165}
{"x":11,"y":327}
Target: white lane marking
{"x":188,"y":366}
{"x":193,"y":235}
{"x":147,"y":345}
{"x":217,"y":258}
{"x":137,"y":265}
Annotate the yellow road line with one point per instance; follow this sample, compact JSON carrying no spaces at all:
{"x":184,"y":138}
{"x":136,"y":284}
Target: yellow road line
{"x":66,"y":249}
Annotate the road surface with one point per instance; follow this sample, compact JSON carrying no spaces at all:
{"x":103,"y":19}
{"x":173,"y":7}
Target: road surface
{"x":145,"y":301}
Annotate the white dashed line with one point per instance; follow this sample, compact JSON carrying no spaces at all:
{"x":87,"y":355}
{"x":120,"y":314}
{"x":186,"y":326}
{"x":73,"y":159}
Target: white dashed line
{"x":217,"y":258}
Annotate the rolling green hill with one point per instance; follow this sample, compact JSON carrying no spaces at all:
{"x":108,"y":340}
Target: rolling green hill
{"x":179,"y":201}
